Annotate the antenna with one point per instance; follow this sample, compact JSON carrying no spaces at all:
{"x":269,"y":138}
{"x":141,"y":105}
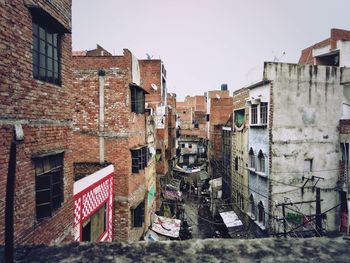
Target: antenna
{"x":149,"y":57}
{"x":276,"y":59}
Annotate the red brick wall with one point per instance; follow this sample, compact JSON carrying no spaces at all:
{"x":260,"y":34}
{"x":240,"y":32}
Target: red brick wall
{"x":45,"y":111}
{"x":150,"y":74}
{"x":220,"y":113}
{"x":123,"y":130}
{"x":336,"y":34}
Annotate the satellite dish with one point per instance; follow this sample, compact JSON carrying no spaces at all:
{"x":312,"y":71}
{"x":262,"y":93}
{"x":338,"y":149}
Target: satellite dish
{"x":217,"y":96}
{"x":154,"y":86}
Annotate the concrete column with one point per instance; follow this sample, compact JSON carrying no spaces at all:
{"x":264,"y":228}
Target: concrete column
{"x":101,"y":117}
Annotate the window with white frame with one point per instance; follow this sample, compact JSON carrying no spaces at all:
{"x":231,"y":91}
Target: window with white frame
{"x":259,"y":114}
{"x":263,"y":113}
{"x":254,"y":114}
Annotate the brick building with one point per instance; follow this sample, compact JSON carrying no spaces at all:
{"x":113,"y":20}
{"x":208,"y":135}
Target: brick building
{"x":220,"y":106}
{"x":192,"y":113}
{"x":332,"y":51}
{"x":36,"y":86}
{"x":153,"y":75}
{"x":239,"y":149}
{"x":110,"y":126}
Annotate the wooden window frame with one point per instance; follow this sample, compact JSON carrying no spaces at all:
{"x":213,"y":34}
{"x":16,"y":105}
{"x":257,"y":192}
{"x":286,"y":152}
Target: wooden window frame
{"x":49,"y":184}
{"x":46,"y":55}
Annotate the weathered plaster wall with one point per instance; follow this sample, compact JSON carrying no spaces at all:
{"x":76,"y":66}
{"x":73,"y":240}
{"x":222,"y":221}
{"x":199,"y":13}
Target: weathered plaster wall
{"x":258,"y":139}
{"x":307,"y":109}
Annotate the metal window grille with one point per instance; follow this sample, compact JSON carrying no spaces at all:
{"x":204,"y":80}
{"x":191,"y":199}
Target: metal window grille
{"x":139,"y":159}
{"x":48,"y":184}
{"x":45,"y":53}
{"x":254,"y":114}
{"x":263,"y":113}
{"x":138,"y":215}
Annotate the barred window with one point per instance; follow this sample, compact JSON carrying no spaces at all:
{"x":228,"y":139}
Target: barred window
{"x":48,"y":184}
{"x":139,"y":159}
{"x":45,"y":53}
{"x":263,"y":113}
{"x":254,"y":114}
{"x":138,"y":215}
{"x":137,"y":99}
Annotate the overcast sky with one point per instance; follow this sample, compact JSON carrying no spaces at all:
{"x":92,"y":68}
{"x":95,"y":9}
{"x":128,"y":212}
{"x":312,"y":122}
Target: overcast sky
{"x":204,"y":43}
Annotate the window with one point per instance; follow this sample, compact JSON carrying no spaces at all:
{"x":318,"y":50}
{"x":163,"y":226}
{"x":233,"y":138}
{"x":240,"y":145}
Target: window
{"x":138,"y":215}
{"x":239,"y":118}
{"x":48,"y":184}
{"x":137,"y":99}
{"x":259,"y":114}
{"x":261,"y":159}
{"x":182,"y":145}
{"x":236,"y":164}
{"x":252,"y":206}
{"x":263,"y":113}
{"x":308,"y":165}
{"x":45,"y":53}
{"x":190,"y":146}
{"x":251,"y":158}
{"x":261,"y":213}
{"x":254,"y":114}
{"x":95,"y":225}
{"x":139,"y":158}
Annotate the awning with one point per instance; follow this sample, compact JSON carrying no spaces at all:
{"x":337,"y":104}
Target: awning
{"x":231,"y":219}
{"x":166,"y":226}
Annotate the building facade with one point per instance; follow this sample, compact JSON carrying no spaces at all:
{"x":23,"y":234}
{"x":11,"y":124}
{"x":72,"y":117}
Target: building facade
{"x":111,"y":126}
{"x":294,"y":149}
{"x":36,"y":119}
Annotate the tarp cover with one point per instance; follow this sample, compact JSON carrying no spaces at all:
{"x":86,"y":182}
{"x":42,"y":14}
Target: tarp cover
{"x":231,"y":219}
{"x":166,"y":226}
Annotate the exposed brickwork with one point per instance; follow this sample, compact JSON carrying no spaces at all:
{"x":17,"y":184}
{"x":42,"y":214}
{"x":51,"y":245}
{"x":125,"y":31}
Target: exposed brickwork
{"x":193,"y":111}
{"x":220,"y":114}
{"x":344,"y":126}
{"x":123,"y":130}
{"x":336,"y":34}
{"x":45,"y":111}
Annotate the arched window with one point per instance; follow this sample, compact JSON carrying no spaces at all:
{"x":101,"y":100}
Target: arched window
{"x":252,"y":206}
{"x":261,"y":213}
{"x":251,"y":158}
{"x":261,"y":160}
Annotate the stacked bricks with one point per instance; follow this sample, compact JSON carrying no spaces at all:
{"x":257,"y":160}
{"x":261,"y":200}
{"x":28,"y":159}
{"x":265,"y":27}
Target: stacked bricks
{"x":123,"y":129}
{"x":45,"y":112}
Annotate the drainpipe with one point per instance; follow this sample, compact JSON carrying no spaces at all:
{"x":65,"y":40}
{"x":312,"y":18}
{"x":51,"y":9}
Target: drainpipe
{"x":101,"y":118}
{"x":10,"y":192}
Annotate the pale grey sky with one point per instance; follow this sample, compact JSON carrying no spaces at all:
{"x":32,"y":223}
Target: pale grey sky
{"x":205,"y":43}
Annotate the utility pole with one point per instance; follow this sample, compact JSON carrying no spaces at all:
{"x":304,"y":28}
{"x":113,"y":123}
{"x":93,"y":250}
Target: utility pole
{"x":284,"y":220}
{"x":318,"y":212}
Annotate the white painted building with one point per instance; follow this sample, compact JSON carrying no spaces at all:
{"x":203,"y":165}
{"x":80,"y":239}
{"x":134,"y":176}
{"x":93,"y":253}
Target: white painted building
{"x":294,"y":147}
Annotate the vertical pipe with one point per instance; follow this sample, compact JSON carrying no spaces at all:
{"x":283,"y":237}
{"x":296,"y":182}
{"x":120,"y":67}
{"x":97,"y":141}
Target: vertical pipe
{"x":101,"y":117}
{"x":318,"y":212}
{"x":9,"y":204}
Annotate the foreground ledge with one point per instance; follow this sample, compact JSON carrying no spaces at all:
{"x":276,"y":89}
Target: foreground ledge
{"x":209,"y":250}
